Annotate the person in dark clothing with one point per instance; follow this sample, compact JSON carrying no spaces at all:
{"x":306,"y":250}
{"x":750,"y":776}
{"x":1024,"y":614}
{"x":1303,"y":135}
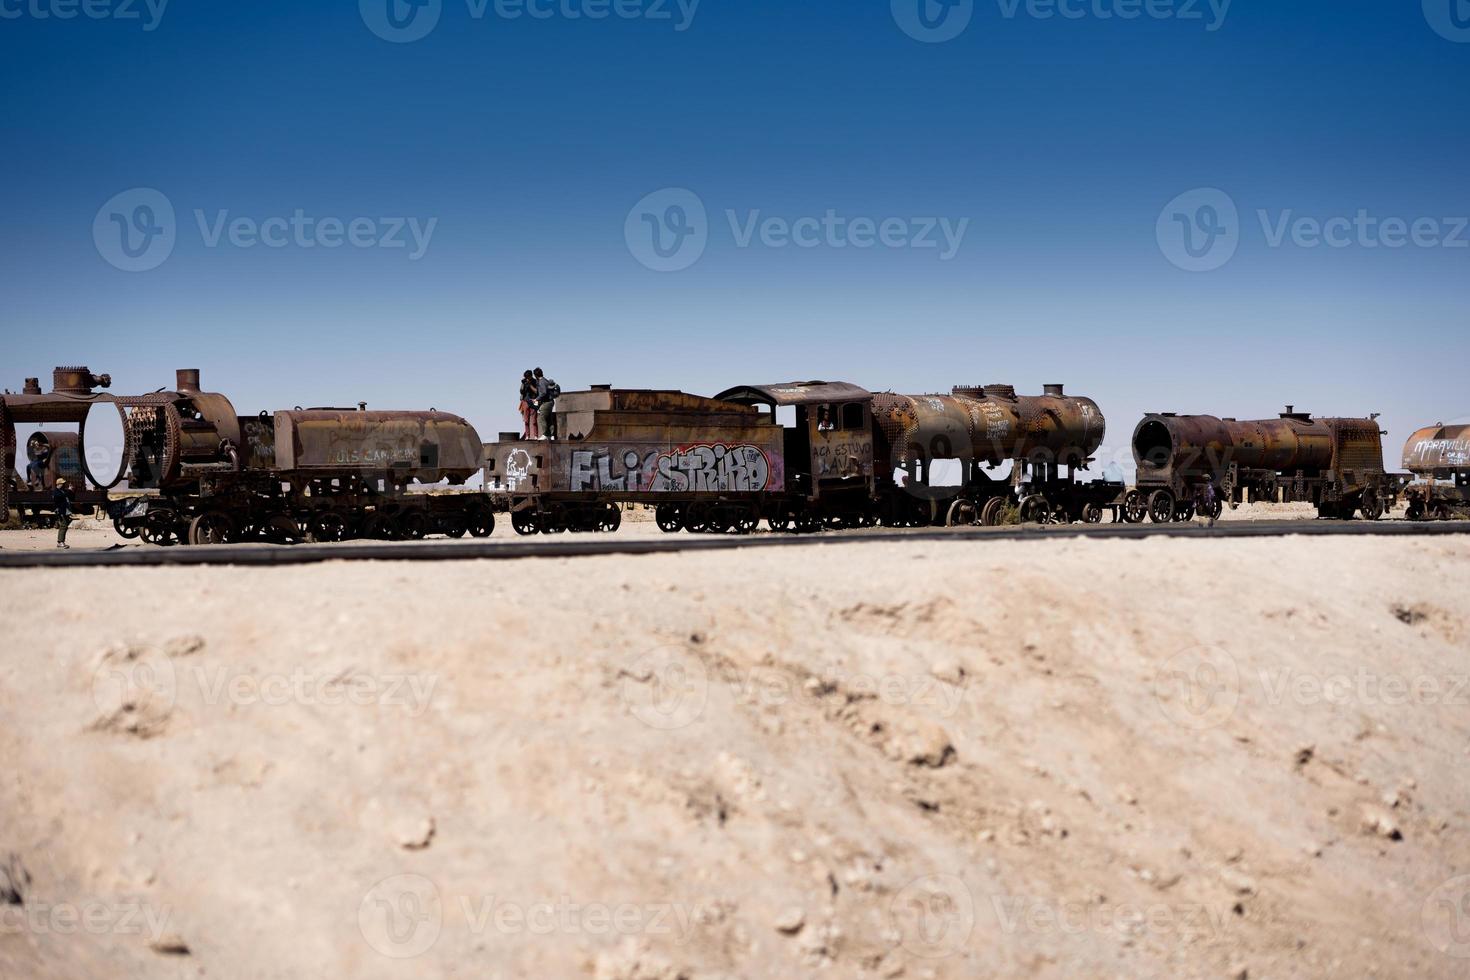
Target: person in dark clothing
{"x":528,"y":407}
{"x":546,"y":395}
{"x":62,"y":499}
{"x":40,"y":453}
{"x":1206,"y":504}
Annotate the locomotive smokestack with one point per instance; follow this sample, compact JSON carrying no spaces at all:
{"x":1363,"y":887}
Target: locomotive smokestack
{"x":1055,"y":391}
{"x":187,"y":379}
{"x":33,"y":386}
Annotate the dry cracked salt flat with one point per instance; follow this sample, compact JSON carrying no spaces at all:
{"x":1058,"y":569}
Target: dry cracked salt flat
{"x":1161,"y":758}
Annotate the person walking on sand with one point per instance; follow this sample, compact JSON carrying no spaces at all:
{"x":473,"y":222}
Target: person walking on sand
{"x":528,"y":406}
{"x":547,"y":392}
{"x":62,"y":498}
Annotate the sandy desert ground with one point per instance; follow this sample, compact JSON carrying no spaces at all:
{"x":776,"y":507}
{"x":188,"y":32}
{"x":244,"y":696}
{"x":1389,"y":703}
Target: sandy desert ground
{"x":1163,"y":758}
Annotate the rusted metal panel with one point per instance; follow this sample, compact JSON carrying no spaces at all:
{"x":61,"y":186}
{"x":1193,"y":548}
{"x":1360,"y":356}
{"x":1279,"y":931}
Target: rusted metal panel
{"x":1438,"y":449}
{"x":427,"y":446}
{"x":632,"y":442}
{"x":796,"y":393}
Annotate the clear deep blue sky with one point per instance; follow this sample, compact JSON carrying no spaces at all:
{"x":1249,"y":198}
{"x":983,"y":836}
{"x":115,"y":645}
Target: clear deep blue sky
{"x":1061,"y":141}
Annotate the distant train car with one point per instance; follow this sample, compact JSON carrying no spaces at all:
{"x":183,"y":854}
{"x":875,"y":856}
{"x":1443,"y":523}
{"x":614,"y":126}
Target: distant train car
{"x":326,"y":474}
{"x":1438,"y":458}
{"x":1335,"y":464}
{"x":32,"y":469}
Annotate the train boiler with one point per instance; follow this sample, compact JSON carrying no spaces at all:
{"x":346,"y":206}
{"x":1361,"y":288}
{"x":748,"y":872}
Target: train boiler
{"x":1334,"y":463}
{"x":324,"y":474}
{"x":1047,"y":440}
{"x":1438,"y":459}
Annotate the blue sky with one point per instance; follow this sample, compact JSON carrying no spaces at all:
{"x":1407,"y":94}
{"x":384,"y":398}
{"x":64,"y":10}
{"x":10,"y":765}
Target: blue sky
{"x":1073,"y":151}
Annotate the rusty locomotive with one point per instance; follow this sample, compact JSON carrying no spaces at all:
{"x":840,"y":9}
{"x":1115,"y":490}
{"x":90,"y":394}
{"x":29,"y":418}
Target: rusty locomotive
{"x":852,"y":458}
{"x":1333,"y":463}
{"x":51,"y":454}
{"x":1438,"y":460}
{"x":327,"y":474}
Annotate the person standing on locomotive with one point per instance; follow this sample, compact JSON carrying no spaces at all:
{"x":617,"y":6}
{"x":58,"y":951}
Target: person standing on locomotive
{"x":40,"y":452}
{"x":62,"y":498}
{"x":528,"y":406}
{"x":547,"y":392}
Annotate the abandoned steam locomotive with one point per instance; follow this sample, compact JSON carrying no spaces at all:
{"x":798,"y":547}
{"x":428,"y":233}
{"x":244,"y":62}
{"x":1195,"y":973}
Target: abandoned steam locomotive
{"x":327,"y":473}
{"x":853,"y":458}
{"x":1335,"y":464}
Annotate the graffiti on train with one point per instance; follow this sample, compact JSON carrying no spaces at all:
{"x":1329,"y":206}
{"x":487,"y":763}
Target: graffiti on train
{"x":699,"y":468}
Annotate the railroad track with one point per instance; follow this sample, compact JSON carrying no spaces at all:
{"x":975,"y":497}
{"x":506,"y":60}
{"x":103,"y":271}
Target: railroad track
{"x":591,"y":545}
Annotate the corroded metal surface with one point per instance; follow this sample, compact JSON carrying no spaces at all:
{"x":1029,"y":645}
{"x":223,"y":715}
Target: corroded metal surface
{"x":1438,"y":449}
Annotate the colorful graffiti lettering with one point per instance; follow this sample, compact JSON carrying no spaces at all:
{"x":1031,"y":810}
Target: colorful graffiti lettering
{"x":700,"y":468}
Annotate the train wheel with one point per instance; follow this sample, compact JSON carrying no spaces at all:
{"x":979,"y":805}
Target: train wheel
{"x":669,"y":517}
{"x":1059,"y":515}
{"x":745,"y":522}
{"x":1092,"y":514}
{"x":415,"y":525}
{"x":780,"y":524}
{"x":281,"y":529}
{"x":1416,"y":510}
{"x":1372,"y":505}
{"x":1442,"y":512}
{"x":1216,"y":509}
{"x":124,"y":530}
{"x":381,"y":527}
{"x":328,"y":526}
{"x":611,"y":520}
{"x":1185,"y":513}
{"x":158,"y":528}
{"x":990,"y":513}
{"x":1161,"y":506}
{"x":1135,"y":507}
{"x":551,"y":523}
{"x":455,"y":527}
{"x":1035,"y":510}
{"x":211,"y":527}
{"x":524,"y":522}
{"x":482,"y":522}
{"x":961,"y":512}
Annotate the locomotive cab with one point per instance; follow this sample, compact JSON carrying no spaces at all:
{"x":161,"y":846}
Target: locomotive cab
{"x":830,"y":448}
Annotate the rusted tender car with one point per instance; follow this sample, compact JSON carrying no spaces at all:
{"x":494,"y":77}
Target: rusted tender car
{"x":1438,"y":458}
{"x":1333,"y":463}
{"x":326,"y":474}
{"x":49,"y":454}
{"x":708,"y":465}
